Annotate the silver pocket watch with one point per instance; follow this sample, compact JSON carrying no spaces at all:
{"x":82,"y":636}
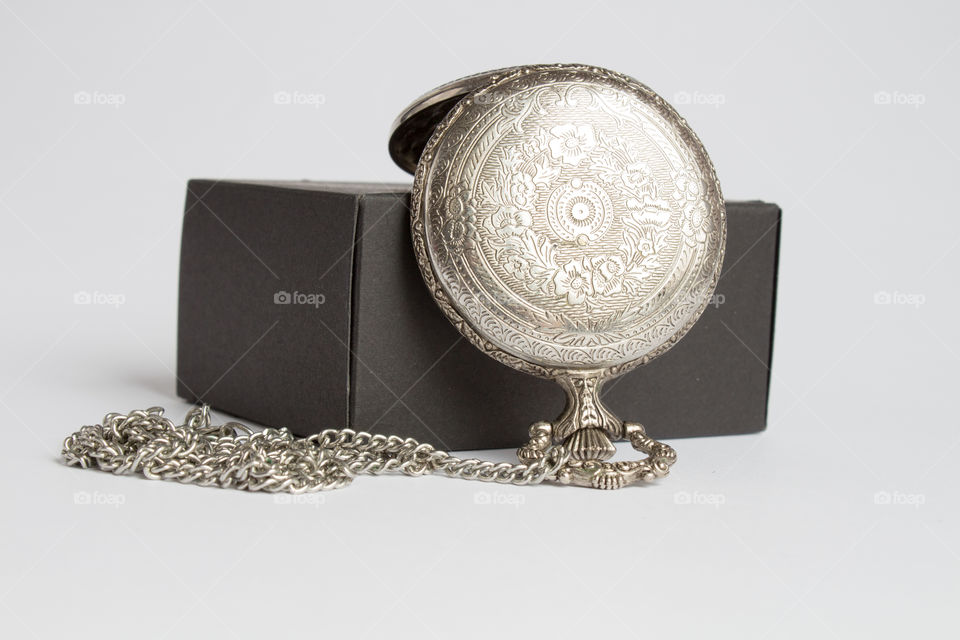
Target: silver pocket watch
{"x":570,"y":224}
{"x":567,"y":221}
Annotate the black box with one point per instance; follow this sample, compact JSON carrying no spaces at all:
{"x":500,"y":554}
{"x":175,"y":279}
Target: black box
{"x":301,"y":305}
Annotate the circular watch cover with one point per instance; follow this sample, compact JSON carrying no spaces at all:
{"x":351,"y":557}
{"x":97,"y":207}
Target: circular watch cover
{"x":570,"y":224}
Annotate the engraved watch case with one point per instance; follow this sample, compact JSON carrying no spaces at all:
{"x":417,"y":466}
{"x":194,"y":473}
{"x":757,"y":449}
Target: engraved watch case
{"x":570,"y":224}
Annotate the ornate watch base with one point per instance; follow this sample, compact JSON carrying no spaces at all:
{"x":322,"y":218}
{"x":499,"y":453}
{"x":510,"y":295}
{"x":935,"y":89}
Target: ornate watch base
{"x":599,"y":474}
{"x":586,"y":427}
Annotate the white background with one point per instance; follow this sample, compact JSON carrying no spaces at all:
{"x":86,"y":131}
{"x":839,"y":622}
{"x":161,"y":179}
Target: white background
{"x":840,"y":521}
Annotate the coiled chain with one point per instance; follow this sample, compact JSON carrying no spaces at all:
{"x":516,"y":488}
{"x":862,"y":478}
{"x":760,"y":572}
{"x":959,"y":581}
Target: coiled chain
{"x":273,"y":460}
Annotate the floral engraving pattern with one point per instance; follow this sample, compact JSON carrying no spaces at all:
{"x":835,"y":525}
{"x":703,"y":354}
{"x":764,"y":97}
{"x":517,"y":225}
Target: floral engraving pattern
{"x":568,"y":226}
{"x":460,"y":211}
{"x":575,"y":281}
{"x":579,"y":211}
{"x":571,"y":143}
{"x":687,"y":194}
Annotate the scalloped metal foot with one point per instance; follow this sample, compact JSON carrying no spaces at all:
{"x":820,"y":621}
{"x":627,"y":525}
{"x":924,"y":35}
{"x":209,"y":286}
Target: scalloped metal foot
{"x":600,"y":474}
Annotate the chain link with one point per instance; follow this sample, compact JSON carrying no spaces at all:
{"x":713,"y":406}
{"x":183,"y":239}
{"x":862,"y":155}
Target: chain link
{"x":273,"y":460}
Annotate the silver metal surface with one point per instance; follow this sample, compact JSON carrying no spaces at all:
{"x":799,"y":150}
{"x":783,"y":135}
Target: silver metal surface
{"x":232,"y":456}
{"x":570,"y":224}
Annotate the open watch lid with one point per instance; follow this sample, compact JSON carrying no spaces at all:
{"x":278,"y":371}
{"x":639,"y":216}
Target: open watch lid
{"x":413,"y":127}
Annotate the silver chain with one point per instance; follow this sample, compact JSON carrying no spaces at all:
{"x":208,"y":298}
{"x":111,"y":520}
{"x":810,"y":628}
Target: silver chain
{"x":273,"y":460}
